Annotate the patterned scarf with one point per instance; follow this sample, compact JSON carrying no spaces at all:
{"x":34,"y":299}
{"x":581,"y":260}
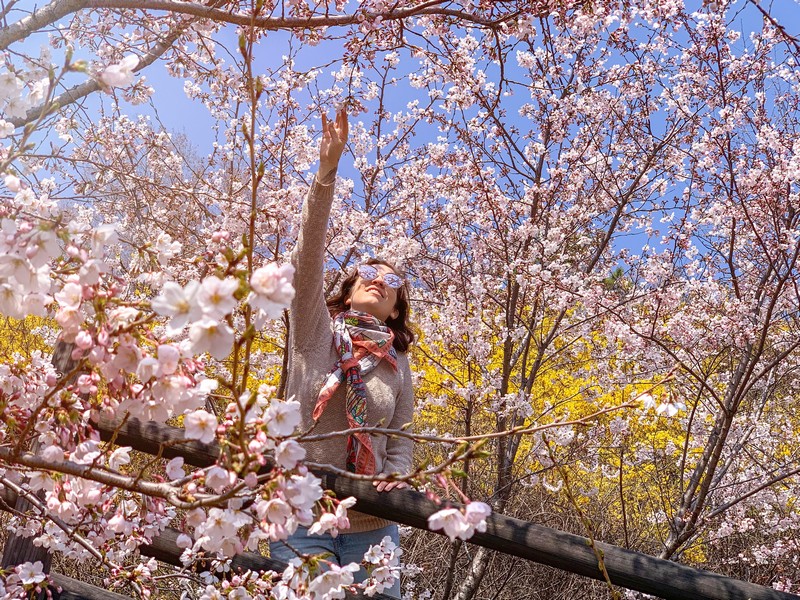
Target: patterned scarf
{"x":361,"y":341}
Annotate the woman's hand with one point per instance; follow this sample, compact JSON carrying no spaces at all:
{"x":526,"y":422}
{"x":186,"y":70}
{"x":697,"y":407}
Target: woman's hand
{"x":388,"y":486}
{"x":334,"y":138}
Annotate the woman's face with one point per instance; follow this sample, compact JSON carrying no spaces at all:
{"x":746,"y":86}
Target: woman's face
{"x":373,"y":296}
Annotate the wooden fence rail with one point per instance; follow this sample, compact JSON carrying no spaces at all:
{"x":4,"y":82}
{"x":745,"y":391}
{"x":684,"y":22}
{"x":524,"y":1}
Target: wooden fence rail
{"x":163,"y":548}
{"x":633,"y":570}
{"x":626,"y":568}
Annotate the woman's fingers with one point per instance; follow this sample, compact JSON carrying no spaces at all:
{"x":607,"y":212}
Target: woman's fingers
{"x":342,"y":123}
{"x":334,"y":137}
{"x":388,"y":486}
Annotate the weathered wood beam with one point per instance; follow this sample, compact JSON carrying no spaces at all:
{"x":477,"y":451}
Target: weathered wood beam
{"x":158,"y":439}
{"x":633,"y":570}
{"x":74,"y":589}
{"x":163,"y":548}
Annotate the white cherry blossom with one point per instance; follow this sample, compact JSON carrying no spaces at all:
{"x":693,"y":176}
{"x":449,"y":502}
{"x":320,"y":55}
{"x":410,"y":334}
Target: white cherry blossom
{"x":179,"y":303}
{"x":452,"y":522}
{"x":120,"y":74}
{"x":331,"y":583}
{"x":200,"y":425}
{"x":215,"y":296}
{"x":70,"y":296}
{"x":282,"y":417}
{"x":12,"y":183}
{"x":214,"y":337}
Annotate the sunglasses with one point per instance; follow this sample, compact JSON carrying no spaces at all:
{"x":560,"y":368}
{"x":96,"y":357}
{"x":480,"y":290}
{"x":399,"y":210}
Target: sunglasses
{"x":368,"y":273}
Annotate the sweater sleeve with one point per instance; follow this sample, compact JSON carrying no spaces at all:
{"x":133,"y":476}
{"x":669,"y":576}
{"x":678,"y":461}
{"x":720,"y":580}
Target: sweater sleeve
{"x":309,"y":317}
{"x":399,"y":449}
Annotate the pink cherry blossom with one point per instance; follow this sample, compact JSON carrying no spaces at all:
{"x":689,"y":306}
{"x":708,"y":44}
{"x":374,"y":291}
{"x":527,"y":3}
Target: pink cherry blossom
{"x":30,"y":573}
{"x":201,"y":426}
{"x":272,"y":289}
{"x":214,"y":337}
{"x":174,"y":468}
{"x":289,"y":453}
{"x":120,"y":74}
{"x":282,"y":417}
{"x":302,"y":491}
{"x":275,"y":511}
{"x":476,"y":514}
{"x":168,"y":357}
{"x":218,"y":478}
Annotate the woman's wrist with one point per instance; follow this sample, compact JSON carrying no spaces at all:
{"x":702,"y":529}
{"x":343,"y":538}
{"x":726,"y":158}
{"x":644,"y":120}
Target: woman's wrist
{"x":326,"y":175}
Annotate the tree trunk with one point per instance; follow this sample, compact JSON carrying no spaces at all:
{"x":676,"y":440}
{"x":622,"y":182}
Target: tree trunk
{"x":477,"y":569}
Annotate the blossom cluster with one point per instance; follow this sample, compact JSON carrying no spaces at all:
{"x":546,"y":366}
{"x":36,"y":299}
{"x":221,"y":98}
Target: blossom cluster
{"x":461,"y":523}
{"x":204,"y":306}
{"x":25,"y":579}
{"x":326,"y":580}
{"x":20,"y":91}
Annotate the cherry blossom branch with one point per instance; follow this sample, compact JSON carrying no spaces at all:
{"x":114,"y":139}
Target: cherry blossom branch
{"x":82,"y":90}
{"x":40,"y":17}
{"x":468,"y":452}
{"x":61,"y":524}
{"x":92,"y":473}
{"x":61,"y":8}
{"x":794,"y":41}
{"x":7,"y":8}
{"x":770,"y":482}
{"x":276,"y":23}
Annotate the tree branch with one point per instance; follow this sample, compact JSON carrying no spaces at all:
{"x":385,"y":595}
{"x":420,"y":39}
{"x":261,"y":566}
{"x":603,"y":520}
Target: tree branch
{"x":82,"y":90}
{"x":92,"y":473}
{"x":37,"y":19}
{"x":276,"y":23}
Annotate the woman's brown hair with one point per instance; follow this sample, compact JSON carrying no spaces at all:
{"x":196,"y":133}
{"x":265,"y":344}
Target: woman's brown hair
{"x":403,"y":336}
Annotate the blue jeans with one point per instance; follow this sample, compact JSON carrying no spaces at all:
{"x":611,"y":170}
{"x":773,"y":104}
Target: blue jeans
{"x":344,"y":549}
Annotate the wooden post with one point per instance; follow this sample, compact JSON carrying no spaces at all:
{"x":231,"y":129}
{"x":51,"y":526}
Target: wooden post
{"x":21,"y":549}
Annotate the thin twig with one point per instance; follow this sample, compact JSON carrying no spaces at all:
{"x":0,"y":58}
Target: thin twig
{"x":419,"y":437}
{"x":794,"y":41}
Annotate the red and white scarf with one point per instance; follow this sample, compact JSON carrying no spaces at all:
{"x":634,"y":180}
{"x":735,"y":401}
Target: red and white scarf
{"x":362,"y":341}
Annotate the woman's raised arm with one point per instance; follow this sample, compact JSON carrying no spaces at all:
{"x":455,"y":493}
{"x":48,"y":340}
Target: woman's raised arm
{"x":309,"y":315}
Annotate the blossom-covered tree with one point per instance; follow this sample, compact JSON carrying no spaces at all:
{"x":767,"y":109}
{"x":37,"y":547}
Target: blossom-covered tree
{"x":596,"y":202}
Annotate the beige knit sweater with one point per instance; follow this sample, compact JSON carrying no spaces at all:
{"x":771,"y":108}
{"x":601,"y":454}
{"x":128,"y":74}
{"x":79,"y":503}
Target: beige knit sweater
{"x":312,"y":356}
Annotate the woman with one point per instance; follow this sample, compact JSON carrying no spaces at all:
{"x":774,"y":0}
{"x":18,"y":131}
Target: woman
{"x":348,"y":365}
